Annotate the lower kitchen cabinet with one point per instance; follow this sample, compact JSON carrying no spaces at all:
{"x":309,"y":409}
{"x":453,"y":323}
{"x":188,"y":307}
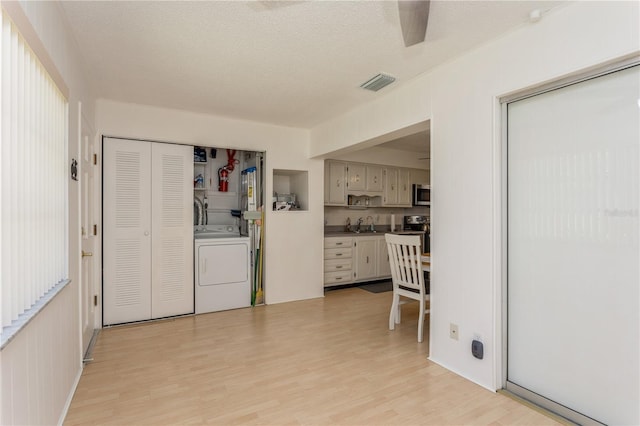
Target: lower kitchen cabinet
{"x":384,"y":268}
{"x":366,"y":258}
{"x":338,"y":263}
{"x":355,"y":259}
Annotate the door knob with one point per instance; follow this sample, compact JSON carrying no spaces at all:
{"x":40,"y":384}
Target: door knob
{"x":86,"y":253}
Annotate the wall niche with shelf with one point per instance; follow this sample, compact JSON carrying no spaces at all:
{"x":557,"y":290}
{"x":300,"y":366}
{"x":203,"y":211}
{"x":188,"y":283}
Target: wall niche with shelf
{"x":290,"y":190}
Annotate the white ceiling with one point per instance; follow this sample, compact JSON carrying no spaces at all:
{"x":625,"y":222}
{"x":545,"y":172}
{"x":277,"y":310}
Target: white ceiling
{"x":294,"y":63}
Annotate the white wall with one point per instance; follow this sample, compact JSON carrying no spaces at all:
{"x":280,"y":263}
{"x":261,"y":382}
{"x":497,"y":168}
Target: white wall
{"x":460,"y":98}
{"x":385,"y":156}
{"x":293,"y":240}
{"x":41,"y":366}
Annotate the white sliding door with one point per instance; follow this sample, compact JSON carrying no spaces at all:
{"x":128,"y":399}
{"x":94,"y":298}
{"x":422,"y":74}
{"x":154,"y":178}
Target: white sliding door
{"x":172,"y":230}
{"x":573,"y":258}
{"x":127,"y":231}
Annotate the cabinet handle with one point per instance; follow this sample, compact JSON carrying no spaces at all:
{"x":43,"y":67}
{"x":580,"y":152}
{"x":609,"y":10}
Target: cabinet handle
{"x":338,"y":254}
{"x":203,"y":265}
{"x":367,"y":259}
{"x":338,"y":244}
{"x":338,"y":278}
{"x":338,"y":183}
{"x":338,"y":266}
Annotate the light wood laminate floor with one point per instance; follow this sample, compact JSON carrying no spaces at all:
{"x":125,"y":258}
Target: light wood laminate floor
{"x":328,"y":361}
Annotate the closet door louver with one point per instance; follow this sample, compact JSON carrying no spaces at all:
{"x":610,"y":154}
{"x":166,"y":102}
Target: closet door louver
{"x":127,"y":237}
{"x":172,"y":230}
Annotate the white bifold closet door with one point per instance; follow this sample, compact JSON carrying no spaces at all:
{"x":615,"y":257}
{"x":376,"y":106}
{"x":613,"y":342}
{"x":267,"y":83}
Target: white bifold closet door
{"x":573,"y":257}
{"x":148,"y":230}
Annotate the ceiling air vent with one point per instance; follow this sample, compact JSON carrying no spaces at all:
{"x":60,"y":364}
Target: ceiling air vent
{"x":378,"y":82}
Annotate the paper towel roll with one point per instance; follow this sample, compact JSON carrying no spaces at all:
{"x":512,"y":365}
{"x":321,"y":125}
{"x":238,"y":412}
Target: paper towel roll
{"x":393,"y":222}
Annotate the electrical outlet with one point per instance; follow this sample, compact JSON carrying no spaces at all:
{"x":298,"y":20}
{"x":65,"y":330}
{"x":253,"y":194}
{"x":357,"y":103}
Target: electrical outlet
{"x":453,"y":331}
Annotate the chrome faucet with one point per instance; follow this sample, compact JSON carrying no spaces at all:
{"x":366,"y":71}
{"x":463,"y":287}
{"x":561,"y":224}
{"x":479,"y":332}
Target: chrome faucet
{"x":372,"y":227}
{"x":360,"y":220}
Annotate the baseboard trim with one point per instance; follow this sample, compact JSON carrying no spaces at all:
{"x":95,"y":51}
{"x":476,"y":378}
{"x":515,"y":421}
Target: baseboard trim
{"x":67,"y":404}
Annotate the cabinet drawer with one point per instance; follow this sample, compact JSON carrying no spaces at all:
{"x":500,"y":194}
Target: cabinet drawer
{"x":337,"y":277}
{"x":337,"y":253}
{"x":336,"y":265}
{"x":338,"y":242}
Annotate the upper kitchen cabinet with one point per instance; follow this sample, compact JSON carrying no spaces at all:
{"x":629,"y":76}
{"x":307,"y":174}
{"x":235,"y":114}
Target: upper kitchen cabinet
{"x":335,"y":182}
{"x":363,"y":178}
{"x":356,"y":180}
{"x":360,"y":185}
{"x":374,"y":178}
{"x":404,"y":187}
{"x":397,"y":187}
{"x":390,"y":197}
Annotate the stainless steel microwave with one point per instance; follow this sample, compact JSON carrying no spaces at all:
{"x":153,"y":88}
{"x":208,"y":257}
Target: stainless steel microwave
{"x":421,"y":195}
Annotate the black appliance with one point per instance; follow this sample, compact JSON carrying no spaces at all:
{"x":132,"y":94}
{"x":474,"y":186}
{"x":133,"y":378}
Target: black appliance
{"x":421,"y":225}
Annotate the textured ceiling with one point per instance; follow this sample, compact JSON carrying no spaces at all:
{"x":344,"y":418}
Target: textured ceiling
{"x":294,"y":63}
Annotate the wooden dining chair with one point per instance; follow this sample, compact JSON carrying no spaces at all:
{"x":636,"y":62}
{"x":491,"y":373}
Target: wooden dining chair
{"x":407,"y":276}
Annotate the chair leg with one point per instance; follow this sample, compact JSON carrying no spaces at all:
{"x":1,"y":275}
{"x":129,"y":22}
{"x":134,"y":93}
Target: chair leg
{"x":421,"y":322}
{"x":393,"y":315}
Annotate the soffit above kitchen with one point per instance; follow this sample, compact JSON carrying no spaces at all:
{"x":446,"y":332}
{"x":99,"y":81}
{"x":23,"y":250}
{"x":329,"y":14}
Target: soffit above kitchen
{"x":296,"y":63}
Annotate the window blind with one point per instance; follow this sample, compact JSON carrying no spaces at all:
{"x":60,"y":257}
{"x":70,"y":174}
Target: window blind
{"x":33,"y":178}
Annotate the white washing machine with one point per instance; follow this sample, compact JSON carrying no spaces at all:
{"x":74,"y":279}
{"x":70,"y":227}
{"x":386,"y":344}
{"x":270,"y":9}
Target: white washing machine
{"x":222,"y":270}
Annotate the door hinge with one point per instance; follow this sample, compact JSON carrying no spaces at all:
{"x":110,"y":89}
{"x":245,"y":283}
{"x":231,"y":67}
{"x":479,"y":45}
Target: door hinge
{"x":95,"y":159}
{"x":95,"y":300}
{"x":95,"y":229}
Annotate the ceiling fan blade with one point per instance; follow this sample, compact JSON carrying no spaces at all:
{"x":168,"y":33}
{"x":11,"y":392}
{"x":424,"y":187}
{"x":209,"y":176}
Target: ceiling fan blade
{"x":414,"y":16}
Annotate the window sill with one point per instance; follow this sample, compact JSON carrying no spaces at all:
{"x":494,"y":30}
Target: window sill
{"x":11,"y":331}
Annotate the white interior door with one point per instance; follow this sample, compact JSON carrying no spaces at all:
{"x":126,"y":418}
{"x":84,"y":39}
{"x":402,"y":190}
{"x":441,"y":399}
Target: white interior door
{"x":573,"y":235}
{"x":127,"y":231}
{"x":88,"y":293}
{"x":172,"y":230}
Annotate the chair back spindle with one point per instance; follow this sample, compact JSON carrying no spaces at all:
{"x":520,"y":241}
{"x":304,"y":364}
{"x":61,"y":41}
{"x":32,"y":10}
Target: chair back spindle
{"x":407,"y":276}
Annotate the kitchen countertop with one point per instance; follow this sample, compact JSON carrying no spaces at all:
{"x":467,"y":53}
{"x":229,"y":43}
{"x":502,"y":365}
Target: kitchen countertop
{"x":381,"y":231}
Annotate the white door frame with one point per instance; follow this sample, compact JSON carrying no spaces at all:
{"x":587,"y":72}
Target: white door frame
{"x":88,"y":196}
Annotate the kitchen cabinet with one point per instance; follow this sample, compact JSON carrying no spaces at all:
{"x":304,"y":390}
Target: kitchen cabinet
{"x":363,"y":178}
{"x":390,"y":186}
{"x":338,"y":264}
{"x":374,"y":178}
{"x":384,"y":268}
{"x":356,"y":177}
{"x":148,"y":230}
{"x":368,"y":185}
{"x":355,"y":259}
{"x":404,"y":188}
{"x":397,"y":187}
{"x":335,"y":193}
{"x":366,"y":258}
